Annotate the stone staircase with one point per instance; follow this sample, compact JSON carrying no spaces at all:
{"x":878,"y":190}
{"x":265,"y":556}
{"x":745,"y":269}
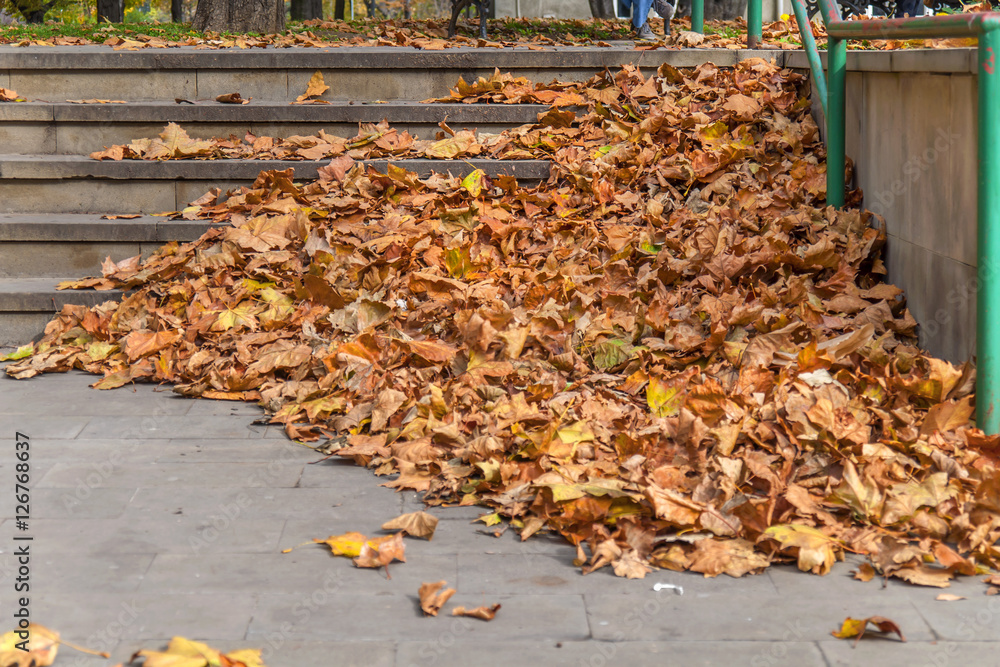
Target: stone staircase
{"x":53,"y":196}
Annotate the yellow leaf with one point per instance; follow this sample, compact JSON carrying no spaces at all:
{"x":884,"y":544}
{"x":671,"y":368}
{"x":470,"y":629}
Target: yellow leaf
{"x":452,"y":147}
{"x":816,"y":549}
{"x":473,"y":183}
{"x":348,"y":544}
{"x":663,"y":399}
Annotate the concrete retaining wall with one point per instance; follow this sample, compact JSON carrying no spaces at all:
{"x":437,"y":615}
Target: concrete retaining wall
{"x":911,"y":130}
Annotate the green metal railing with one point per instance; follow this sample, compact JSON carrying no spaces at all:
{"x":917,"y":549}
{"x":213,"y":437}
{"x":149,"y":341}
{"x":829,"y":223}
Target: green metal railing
{"x":986,"y":27}
{"x":754,"y":20}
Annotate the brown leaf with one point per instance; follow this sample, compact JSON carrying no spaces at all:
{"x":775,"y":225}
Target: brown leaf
{"x":232,"y":98}
{"x":380,"y":555}
{"x":432,"y":598}
{"x":484,"y":613}
{"x":314,"y":88}
{"x":415,"y":524}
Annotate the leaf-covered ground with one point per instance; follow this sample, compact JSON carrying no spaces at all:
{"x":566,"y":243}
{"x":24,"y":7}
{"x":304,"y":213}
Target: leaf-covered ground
{"x":671,"y":353}
{"x":432,"y":34}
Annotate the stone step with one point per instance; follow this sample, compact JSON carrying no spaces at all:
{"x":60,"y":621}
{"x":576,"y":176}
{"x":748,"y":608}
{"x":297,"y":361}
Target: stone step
{"x":74,"y":245}
{"x":77,"y":184}
{"x":353,"y":73}
{"x":65,"y":128}
{"x":27,"y":304}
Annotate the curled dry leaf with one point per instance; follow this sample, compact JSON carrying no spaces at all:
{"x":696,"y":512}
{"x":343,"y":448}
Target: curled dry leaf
{"x":183,"y":652}
{"x":381,"y":553}
{"x":8,"y":95}
{"x":432,"y":598}
{"x":232,"y":98}
{"x":865,"y":572}
{"x":854,"y":627}
{"x":414,"y":524}
{"x":483,"y":613}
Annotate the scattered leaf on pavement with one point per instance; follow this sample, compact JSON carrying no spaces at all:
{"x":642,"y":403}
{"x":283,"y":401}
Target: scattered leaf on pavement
{"x":854,"y":627}
{"x":414,"y":524}
{"x":484,"y":613}
{"x":432,"y":598}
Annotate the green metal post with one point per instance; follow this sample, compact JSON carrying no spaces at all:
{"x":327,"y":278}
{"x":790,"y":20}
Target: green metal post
{"x":698,"y":16}
{"x":754,"y":23}
{"x":836,"y":54}
{"x":812,"y":53}
{"x":988,"y":253}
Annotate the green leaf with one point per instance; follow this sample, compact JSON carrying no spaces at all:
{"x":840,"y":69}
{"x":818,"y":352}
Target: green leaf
{"x":19,"y":353}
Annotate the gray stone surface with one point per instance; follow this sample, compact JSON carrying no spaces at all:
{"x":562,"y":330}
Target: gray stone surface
{"x":114,"y":84}
{"x":30,"y":137}
{"x":87,"y":196}
{"x":44,"y":259}
{"x":890,"y":653}
{"x":125,"y":556}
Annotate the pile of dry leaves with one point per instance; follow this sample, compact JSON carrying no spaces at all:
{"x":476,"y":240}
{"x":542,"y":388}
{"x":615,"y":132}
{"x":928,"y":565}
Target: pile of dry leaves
{"x":670,"y":353}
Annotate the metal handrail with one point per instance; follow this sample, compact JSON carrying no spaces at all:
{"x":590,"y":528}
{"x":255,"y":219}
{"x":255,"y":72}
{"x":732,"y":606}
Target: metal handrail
{"x":986,"y":27}
{"x":754,"y":20}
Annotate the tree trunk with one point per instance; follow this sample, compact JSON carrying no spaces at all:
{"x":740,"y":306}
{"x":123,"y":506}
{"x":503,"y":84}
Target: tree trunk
{"x":715,"y":10}
{"x":303,"y":10}
{"x":339,"y":10}
{"x":177,"y":11}
{"x":111,"y":11}
{"x":261,"y":16}
{"x":33,"y":11}
{"x":602,"y":9}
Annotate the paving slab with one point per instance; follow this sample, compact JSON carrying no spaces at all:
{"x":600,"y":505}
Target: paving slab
{"x":72,"y":392}
{"x":460,"y":652}
{"x":215,"y":533}
{"x":181,"y":476}
{"x":172,"y":426}
{"x":889,"y":652}
{"x":279,"y":651}
{"x":318,"y":505}
{"x":703,"y":616}
{"x":81,"y":502}
{"x":113,"y":573}
{"x":54,"y":427}
{"x":300,"y":570}
{"x":322,"y":614}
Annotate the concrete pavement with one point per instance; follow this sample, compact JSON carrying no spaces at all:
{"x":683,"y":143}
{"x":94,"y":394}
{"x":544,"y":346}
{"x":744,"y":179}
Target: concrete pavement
{"x":154,"y":515}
